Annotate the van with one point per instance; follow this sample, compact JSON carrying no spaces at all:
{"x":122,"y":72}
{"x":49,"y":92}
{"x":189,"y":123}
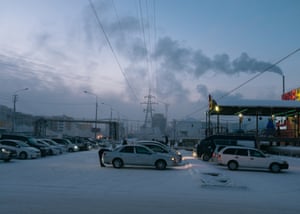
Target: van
{"x":207,"y":146}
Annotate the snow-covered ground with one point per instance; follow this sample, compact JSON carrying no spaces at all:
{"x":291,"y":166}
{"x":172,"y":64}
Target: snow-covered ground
{"x":75,"y":183}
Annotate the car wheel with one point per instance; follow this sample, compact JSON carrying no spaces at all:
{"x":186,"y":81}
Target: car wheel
{"x":23,"y":155}
{"x":7,"y":160}
{"x":206,"y":157}
{"x":160,"y":164}
{"x":232,"y":165}
{"x":275,"y":167}
{"x":117,"y":163}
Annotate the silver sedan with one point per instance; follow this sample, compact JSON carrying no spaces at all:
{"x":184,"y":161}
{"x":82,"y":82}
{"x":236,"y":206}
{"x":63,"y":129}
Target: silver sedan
{"x":137,"y":155}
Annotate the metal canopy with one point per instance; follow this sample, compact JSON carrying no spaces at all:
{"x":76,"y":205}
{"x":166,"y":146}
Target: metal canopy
{"x":257,"y":107}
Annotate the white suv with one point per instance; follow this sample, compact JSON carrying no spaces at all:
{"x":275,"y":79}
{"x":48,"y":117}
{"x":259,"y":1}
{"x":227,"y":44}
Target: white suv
{"x":236,"y":156}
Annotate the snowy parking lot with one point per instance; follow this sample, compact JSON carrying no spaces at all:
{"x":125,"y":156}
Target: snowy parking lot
{"x":75,"y":183}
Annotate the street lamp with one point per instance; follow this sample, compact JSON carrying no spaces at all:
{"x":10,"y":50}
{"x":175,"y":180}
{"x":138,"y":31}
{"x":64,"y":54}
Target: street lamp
{"x":96,"y":115}
{"x":112,"y":128}
{"x":240,"y":121}
{"x":217,"y":109}
{"x":15,"y":98}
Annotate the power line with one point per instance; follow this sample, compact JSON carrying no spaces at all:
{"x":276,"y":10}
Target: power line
{"x":144,"y":38}
{"x":111,"y":48}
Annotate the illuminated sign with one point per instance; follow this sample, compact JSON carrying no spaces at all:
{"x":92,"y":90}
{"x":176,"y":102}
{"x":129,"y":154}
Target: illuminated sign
{"x":291,"y":95}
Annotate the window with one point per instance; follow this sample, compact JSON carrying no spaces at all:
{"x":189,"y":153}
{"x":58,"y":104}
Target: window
{"x":141,"y":150}
{"x":127,"y":149}
{"x":8,"y":143}
{"x":254,"y":153}
{"x":242,"y":152}
{"x":229,"y":151}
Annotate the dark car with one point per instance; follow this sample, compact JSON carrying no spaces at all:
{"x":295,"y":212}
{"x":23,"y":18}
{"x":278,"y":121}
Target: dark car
{"x":207,"y":146}
{"x":82,"y":143}
{"x":70,"y":147}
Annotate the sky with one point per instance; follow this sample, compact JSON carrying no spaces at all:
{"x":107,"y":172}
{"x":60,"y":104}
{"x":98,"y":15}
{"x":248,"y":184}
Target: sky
{"x":75,"y":183}
{"x":120,"y":51}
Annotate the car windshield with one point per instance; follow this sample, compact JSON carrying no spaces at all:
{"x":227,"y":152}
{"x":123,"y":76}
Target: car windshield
{"x":32,"y":140}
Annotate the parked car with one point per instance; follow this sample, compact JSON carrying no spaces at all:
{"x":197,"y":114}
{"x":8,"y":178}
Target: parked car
{"x":53,"y":150}
{"x":58,"y":146}
{"x":235,"y":157}
{"x":214,"y":156}
{"x":82,"y":143}
{"x":70,"y":147}
{"x":206,"y":147}
{"x":31,"y":141}
{"x":24,"y":151}
{"x":161,"y":148}
{"x":5,"y":154}
{"x":137,"y":155}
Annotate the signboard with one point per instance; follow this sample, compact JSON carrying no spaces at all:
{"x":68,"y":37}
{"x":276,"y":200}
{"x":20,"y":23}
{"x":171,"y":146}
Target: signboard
{"x":291,"y":95}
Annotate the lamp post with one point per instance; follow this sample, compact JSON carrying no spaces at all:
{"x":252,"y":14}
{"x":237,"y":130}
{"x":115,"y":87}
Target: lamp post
{"x":217,"y":109}
{"x":112,"y":128}
{"x":15,"y":99}
{"x":96,"y":114}
{"x":240,"y":121}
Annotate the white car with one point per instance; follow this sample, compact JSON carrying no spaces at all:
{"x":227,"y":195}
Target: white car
{"x":53,"y":149}
{"x":161,"y":148}
{"x":137,"y":155}
{"x":24,"y":151}
{"x":235,"y":157}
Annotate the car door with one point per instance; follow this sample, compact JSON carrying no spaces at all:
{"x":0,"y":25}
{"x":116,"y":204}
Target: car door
{"x":257,"y":159}
{"x":143,"y":156}
{"x":242,"y":157}
{"x":127,"y":154}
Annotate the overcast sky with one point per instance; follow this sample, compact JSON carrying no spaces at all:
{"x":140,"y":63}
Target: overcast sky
{"x":119,"y":50}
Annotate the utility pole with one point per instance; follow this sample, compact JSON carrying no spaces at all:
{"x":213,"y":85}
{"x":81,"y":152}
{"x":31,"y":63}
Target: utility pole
{"x":15,"y":99}
{"x":96,"y":112}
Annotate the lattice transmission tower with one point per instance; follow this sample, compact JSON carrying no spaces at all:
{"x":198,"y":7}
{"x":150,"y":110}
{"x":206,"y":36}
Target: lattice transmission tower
{"x":149,"y":109}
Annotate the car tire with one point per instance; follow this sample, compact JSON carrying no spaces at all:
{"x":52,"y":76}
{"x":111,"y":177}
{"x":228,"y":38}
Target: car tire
{"x":205,"y":157}
{"x":275,"y":167}
{"x":7,"y":160}
{"x":160,"y":164}
{"x":117,"y":163}
{"x":23,"y":155}
{"x":232,"y":165}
